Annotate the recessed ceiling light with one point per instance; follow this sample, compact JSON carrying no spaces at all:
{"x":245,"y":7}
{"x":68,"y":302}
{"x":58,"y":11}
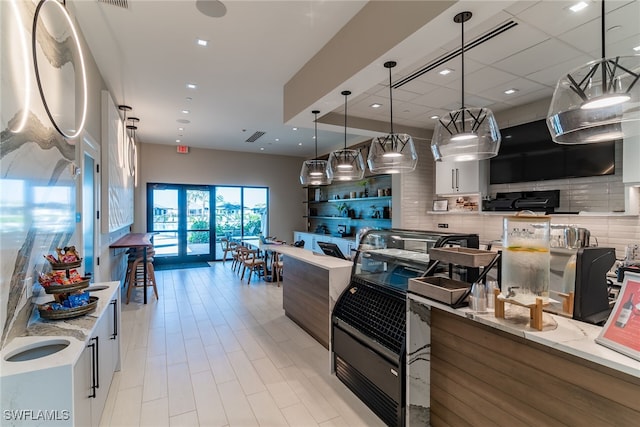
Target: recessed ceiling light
{"x":277,"y":139}
{"x":299,"y":143}
{"x":510,"y":91}
{"x":376,"y":105}
{"x":578,"y":6}
{"x":445,"y":71}
{"x":434,"y":117}
{"x":191,"y":86}
{"x":180,"y":129}
{"x":261,"y":148}
{"x":314,"y":137}
{"x":202,"y":42}
{"x":295,"y":128}
{"x":178,"y":141}
{"x":188,"y":99}
{"x":185,"y":111}
{"x":637,"y":48}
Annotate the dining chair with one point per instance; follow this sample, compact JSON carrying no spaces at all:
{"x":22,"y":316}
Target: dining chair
{"x":251,"y":261}
{"x":228,"y":246}
{"x":277,"y":265}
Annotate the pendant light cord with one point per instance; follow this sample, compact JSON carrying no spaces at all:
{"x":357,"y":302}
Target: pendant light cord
{"x":390,"y":101}
{"x":462,"y":58}
{"x":315,"y":121}
{"x":345,"y":121}
{"x":604,"y":68}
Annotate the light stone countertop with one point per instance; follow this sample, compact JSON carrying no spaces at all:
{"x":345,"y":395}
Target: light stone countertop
{"x":77,"y":331}
{"x":313,"y":258}
{"x":570,"y":336}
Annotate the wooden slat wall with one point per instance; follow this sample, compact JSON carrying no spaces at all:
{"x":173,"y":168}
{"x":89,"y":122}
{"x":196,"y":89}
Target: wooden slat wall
{"x":305,"y":298}
{"x":482,"y":376}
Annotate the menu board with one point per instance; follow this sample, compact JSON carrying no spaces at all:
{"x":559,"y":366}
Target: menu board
{"x":622,"y":330}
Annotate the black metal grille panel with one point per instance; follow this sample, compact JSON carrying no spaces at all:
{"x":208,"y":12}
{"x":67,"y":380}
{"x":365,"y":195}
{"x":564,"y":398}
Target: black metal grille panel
{"x":381,"y":404}
{"x":377,"y":313}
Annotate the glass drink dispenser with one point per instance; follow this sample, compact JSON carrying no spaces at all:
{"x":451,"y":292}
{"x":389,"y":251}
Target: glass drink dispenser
{"x":526,"y":257}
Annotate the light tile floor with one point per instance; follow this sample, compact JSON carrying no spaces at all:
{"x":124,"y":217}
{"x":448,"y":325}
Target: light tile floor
{"x":214,"y":351}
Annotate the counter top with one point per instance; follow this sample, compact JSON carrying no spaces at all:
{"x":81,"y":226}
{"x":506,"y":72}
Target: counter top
{"x":350,"y":238}
{"x":313,"y":258}
{"x":77,"y":331}
{"x":570,"y":336}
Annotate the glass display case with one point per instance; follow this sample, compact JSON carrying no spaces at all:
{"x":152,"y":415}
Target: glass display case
{"x":391,"y":257}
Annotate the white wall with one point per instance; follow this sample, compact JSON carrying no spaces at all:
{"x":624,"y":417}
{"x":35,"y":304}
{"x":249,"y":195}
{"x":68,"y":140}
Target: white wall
{"x":162,"y":164}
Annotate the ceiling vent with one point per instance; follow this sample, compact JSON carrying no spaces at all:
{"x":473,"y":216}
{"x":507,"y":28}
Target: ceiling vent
{"x":453,"y":54}
{"x":255,"y":136}
{"x":118,"y":3}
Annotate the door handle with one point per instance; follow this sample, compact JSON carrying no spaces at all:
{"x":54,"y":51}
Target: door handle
{"x":93,"y":368}
{"x":457,"y":179}
{"x":453,"y":185}
{"x":115,"y":319}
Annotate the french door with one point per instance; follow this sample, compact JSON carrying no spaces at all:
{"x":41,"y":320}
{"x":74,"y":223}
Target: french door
{"x":189,"y":220}
{"x":181,"y":218}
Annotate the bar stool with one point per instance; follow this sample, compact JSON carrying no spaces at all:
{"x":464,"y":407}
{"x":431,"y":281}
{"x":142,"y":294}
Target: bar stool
{"x":135,"y":272}
{"x":277,"y":265}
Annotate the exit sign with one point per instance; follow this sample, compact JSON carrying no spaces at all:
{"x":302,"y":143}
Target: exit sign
{"x":183,"y":149}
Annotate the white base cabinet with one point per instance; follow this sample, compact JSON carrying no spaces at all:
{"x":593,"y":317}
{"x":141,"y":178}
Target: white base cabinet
{"x":93,"y":372}
{"x":462,"y":177}
{"x":68,"y":387}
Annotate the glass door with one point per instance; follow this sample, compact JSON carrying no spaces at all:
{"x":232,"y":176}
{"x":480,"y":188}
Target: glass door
{"x":181,"y":218}
{"x":254,"y":213}
{"x":228,"y":217}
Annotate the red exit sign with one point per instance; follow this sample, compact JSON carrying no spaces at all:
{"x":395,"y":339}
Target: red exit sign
{"x":183,"y":149}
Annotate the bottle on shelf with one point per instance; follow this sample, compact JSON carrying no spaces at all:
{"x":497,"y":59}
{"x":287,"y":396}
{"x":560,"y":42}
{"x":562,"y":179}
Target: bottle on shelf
{"x":625,"y":313}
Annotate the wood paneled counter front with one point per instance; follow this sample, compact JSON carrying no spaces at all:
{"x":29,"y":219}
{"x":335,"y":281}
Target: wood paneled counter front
{"x":312,"y":284}
{"x":473,"y":369}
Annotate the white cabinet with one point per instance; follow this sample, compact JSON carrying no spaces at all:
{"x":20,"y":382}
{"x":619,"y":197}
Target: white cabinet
{"x":93,"y":372}
{"x":462,"y":177}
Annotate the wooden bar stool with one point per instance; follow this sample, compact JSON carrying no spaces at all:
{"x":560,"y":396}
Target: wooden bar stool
{"x":277,"y":266}
{"x":135,"y":275}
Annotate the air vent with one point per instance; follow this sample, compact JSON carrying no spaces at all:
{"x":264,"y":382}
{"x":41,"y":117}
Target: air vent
{"x":118,"y":3}
{"x":255,"y":136}
{"x":449,"y":56}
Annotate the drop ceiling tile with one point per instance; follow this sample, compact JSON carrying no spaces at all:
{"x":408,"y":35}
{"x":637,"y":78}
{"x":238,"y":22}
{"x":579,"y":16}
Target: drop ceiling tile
{"x":400,"y":94}
{"x":433,"y":79}
{"x":483,"y":79}
{"x":549,"y":76}
{"x":621,"y":48}
{"x":532,"y":96}
{"x":538,"y":57}
{"x":554,"y":17}
{"x":522,"y":85}
{"x":506,"y":44}
{"x":438,"y":98}
{"x":519,"y":6}
{"x":477,"y":101}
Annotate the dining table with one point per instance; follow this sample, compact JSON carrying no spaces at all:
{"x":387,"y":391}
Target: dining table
{"x":137,"y":241}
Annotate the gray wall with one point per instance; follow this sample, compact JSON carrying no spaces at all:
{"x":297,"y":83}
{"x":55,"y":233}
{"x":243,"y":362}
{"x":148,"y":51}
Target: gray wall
{"x":162,"y":164}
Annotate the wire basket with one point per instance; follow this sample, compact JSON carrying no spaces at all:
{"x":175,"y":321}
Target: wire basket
{"x":65,"y":289}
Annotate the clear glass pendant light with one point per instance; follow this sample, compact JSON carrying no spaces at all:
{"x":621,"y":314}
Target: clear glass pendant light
{"x":315,"y":172}
{"x":597,"y":102}
{"x":346,"y":164}
{"x":468,"y":133}
{"x":392,"y":153}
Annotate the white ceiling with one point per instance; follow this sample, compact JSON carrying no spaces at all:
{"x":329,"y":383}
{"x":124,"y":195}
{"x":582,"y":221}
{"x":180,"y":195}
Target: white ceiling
{"x":259,"y":45}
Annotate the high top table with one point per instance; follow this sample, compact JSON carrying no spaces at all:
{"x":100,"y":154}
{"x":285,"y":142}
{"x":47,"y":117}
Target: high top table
{"x":136,"y":240}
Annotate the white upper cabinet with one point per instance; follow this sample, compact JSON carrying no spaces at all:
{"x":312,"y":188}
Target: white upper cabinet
{"x":462,"y":177}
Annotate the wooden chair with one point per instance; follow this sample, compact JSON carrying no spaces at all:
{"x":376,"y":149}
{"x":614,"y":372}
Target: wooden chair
{"x":228,"y":247}
{"x":250,"y":261}
{"x":277,"y":266}
{"x":135,"y":275}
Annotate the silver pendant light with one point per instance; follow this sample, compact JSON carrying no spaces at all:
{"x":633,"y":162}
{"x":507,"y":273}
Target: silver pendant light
{"x":599,"y":101}
{"x":346,"y":164}
{"x":315,"y":172}
{"x":468,"y":133}
{"x":393,"y":153}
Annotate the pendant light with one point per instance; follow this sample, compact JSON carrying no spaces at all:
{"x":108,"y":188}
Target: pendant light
{"x":599,"y":101}
{"x":467,"y":133}
{"x":395,"y":152}
{"x":315,"y":172}
{"x":346,"y":164}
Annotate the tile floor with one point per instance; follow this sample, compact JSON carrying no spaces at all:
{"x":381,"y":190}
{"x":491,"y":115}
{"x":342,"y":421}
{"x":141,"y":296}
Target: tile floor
{"x":216,"y":352}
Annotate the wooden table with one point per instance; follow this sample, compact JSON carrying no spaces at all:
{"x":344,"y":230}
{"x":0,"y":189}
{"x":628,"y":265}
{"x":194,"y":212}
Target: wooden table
{"x":136,"y":240}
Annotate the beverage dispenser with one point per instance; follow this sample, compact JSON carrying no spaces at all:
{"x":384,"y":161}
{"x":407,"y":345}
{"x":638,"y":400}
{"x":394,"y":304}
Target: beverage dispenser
{"x":526,"y":257}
